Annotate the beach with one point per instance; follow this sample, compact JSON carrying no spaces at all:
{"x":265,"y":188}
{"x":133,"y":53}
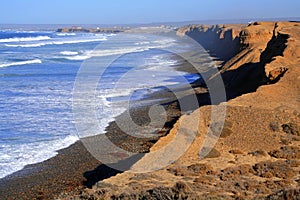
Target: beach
{"x":75,"y":168}
{"x":257,"y":152}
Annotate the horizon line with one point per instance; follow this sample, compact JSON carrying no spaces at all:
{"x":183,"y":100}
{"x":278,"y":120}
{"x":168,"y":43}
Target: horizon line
{"x":162,"y":22}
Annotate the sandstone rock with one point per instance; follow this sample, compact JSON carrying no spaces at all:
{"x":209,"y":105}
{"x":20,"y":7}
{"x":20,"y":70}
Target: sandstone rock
{"x":192,"y":170}
{"x":291,"y":128}
{"x":201,"y":169}
{"x":288,"y":194}
{"x":205,"y":180}
{"x":261,"y":54}
{"x":269,"y":169}
{"x":236,"y":172}
{"x":220,"y":41}
{"x":286,"y":152}
{"x":236,"y":151}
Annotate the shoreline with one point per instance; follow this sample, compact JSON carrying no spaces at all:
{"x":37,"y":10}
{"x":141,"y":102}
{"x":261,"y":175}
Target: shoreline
{"x":257,"y":154}
{"x":258,"y":149}
{"x":74,"y":168}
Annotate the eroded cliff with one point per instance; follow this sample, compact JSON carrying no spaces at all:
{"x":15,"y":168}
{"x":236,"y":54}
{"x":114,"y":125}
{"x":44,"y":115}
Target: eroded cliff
{"x":258,"y":152}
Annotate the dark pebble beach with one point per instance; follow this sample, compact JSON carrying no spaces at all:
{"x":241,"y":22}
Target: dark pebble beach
{"x":74,"y":168}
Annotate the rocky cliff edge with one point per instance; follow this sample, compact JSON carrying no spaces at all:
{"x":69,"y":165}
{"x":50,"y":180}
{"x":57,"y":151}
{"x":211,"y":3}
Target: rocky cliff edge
{"x":258,"y":153}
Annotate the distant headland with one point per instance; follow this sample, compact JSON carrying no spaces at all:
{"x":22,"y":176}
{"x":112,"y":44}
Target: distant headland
{"x":91,"y":30}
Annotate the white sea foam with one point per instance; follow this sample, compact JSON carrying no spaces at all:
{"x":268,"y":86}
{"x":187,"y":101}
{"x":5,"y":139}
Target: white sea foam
{"x":109,"y":104}
{"x":144,"y":46}
{"x":142,"y":43}
{"x":159,"y":63}
{"x":57,"y":42}
{"x":14,"y":158}
{"x":24,"y":39}
{"x":78,"y":57}
{"x":65,"y":34}
{"x":69,"y":53}
{"x":118,"y":92}
{"x":27,"y":62}
{"x":102,"y":53}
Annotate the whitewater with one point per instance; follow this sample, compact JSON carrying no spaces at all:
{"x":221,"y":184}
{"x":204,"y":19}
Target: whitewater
{"x":37,"y":74}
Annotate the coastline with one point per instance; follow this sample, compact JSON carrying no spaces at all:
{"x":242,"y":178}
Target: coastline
{"x":74,"y":168}
{"x":258,"y":151}
{"x":257,"y":154}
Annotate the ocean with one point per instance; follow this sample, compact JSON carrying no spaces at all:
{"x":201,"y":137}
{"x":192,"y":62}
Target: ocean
{"x":37,"y":74}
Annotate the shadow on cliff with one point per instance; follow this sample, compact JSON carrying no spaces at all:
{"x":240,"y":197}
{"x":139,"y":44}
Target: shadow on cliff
{"x":220,"y":48}
{"x":249,"y":76}
{"x":127,"y":142}
{"x":103,"y":171}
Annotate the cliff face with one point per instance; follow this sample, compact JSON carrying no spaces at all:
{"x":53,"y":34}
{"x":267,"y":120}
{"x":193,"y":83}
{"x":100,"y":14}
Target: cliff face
{"x":251,"y":53}
{"x":221,"y":41}
{"x":258,"y":153}
{"x":261,"y":43}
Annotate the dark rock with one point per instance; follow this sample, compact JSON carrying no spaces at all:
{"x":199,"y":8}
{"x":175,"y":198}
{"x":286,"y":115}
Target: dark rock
{"x":192,"y":170}
{"x":236,"y":172}
{"x":274,"y":126}
{"x":291,"y":128}
{"x":251,"y":185}
{"x":160,"y":193}
{"x":286,"y":152}
{"x":269,"y":169}
{"x":288,"y":194}
{"x":201,"y":169}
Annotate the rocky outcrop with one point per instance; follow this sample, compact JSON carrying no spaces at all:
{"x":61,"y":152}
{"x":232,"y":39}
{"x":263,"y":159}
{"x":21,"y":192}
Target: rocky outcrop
{"x":251,"y":54}
{"x":90,"y":30}
{"x":259,"y":42}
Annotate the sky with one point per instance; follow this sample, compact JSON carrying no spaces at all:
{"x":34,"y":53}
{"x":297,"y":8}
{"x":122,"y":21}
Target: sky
{"x":140,"y":11}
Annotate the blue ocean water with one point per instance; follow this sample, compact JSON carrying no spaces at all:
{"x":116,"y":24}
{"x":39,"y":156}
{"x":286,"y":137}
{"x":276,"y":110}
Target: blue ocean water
{"x":37,"y":74}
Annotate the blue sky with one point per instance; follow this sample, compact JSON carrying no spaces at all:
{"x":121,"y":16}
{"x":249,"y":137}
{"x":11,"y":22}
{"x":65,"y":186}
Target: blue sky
{"x":140,"y":11}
